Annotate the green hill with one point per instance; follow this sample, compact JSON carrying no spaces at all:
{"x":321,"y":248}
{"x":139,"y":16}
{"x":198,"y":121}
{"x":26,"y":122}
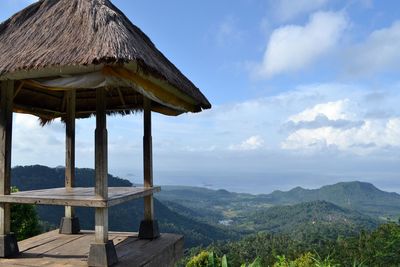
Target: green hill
{"x":209,"y":205}
{"x":125,"y":217}
{"x":360,"y":196}
{"x":305,"y":220}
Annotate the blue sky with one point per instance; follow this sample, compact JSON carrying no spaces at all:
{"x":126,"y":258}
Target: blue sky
{"x":304,"y":93}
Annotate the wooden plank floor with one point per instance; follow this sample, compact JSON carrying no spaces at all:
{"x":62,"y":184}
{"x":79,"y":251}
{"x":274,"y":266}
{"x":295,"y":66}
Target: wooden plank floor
{"x":78,"y":196}
{"x":52,"y":249}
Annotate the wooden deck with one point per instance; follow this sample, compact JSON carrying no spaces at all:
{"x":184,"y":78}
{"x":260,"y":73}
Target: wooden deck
{"x":52,"y":249}
{"x":78,"y":196}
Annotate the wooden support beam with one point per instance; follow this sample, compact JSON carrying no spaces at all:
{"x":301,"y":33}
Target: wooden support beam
{"x":69,"y":223}
{"x":6,"y":103}
{"x":149,"y":225}
{"x":147,"y":159}
{"x":21,"y":84}
{"x":102,"y":251}
{"x":101,"y":225}
{"x":101,"y":168}
{"x":121,"y":97}
{"x":70,"y":147}
{"x":8,"y":241}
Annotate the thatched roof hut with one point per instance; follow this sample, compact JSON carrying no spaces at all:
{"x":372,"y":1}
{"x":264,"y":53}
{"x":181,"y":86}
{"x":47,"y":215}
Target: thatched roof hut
{"x":55,"y":45}
{"x":70,"y":59}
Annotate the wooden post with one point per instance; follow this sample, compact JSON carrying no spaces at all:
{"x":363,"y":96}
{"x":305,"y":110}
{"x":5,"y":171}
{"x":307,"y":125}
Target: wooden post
{"x":149,"y":226}
{"x":147,"y":159}
{"x":8,"y":242}
{"x":7,"y":91}
{"x":101,"y":166}
{"x":70,"y":142}
{"x":102,"y":252}
{"x":70,"y":224}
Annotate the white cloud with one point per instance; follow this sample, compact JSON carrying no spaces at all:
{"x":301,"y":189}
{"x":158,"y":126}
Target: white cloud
{"x":379,"y":52}
{"x":337,"y":110}
{"x":289,"y":9}
{"x":360,"y":138}
{"x":252,"y":143}
{"x":34,"y":144}
{"x":294,"y":47}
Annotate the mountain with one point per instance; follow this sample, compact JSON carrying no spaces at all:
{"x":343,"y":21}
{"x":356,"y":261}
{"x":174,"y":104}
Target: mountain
{"x":359,"y":196}
{"x":299,"y":215}
{"x":318,"y":218}
{"x":124,"y":217}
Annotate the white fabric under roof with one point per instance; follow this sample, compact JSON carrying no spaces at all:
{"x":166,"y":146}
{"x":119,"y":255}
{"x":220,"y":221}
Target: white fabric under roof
{"x":97,"y":80}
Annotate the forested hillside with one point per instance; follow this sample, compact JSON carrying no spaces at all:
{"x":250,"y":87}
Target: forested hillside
{"x":205,"y":216}
{"x":361,"y":196}
{"x":223,"y":205}
{"x":316,"y":219}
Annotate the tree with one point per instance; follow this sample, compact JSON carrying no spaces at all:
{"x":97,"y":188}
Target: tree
{"x":24,"y":220}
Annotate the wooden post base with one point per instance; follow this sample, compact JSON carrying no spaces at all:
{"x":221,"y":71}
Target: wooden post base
{"x":102,"y":255}
{"x":149,"y":229}
{"x":69,"y":226}
{"x":8,"y":246}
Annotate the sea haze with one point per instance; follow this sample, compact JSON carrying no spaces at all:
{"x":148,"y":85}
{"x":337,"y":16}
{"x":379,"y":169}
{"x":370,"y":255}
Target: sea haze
{"x":257,"y":183}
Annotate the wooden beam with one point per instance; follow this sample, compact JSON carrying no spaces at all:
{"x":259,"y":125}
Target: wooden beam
{"x":101,"y":168}
{"x":21,"y":84}
{"x":147,"y":159}
{"x":70,"y":147}
{"x":121,"y":97}
{"x":78,"y":196}
{"x":6,"y":103}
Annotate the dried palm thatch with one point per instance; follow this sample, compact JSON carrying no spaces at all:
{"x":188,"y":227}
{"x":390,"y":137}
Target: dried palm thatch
{"x":62,"y":38}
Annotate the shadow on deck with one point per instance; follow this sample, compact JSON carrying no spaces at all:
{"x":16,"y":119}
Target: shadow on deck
{"x":54,"y":249}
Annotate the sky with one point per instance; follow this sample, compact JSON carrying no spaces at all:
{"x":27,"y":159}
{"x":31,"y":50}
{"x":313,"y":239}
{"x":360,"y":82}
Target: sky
{"x":304,"y":93}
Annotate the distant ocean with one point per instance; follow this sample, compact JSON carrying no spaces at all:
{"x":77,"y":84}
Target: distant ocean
{"x":257,"y":183}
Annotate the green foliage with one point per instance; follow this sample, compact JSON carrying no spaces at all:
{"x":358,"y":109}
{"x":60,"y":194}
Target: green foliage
{"x":326,"y":262}
{"x":200,"y":260}
{"x":377,"y":248}
{"x":305,"y":260}
{"x":262,"y":245}
{"x":224,"y":261}
{"x":371,"y":249}
{"x":210,"y":259}
{"x":255,"y":263}
{"x":24,"y":220}
{"x":207,"y":259}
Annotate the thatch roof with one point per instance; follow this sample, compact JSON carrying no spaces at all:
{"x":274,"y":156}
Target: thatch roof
{"x":63,"y":38}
